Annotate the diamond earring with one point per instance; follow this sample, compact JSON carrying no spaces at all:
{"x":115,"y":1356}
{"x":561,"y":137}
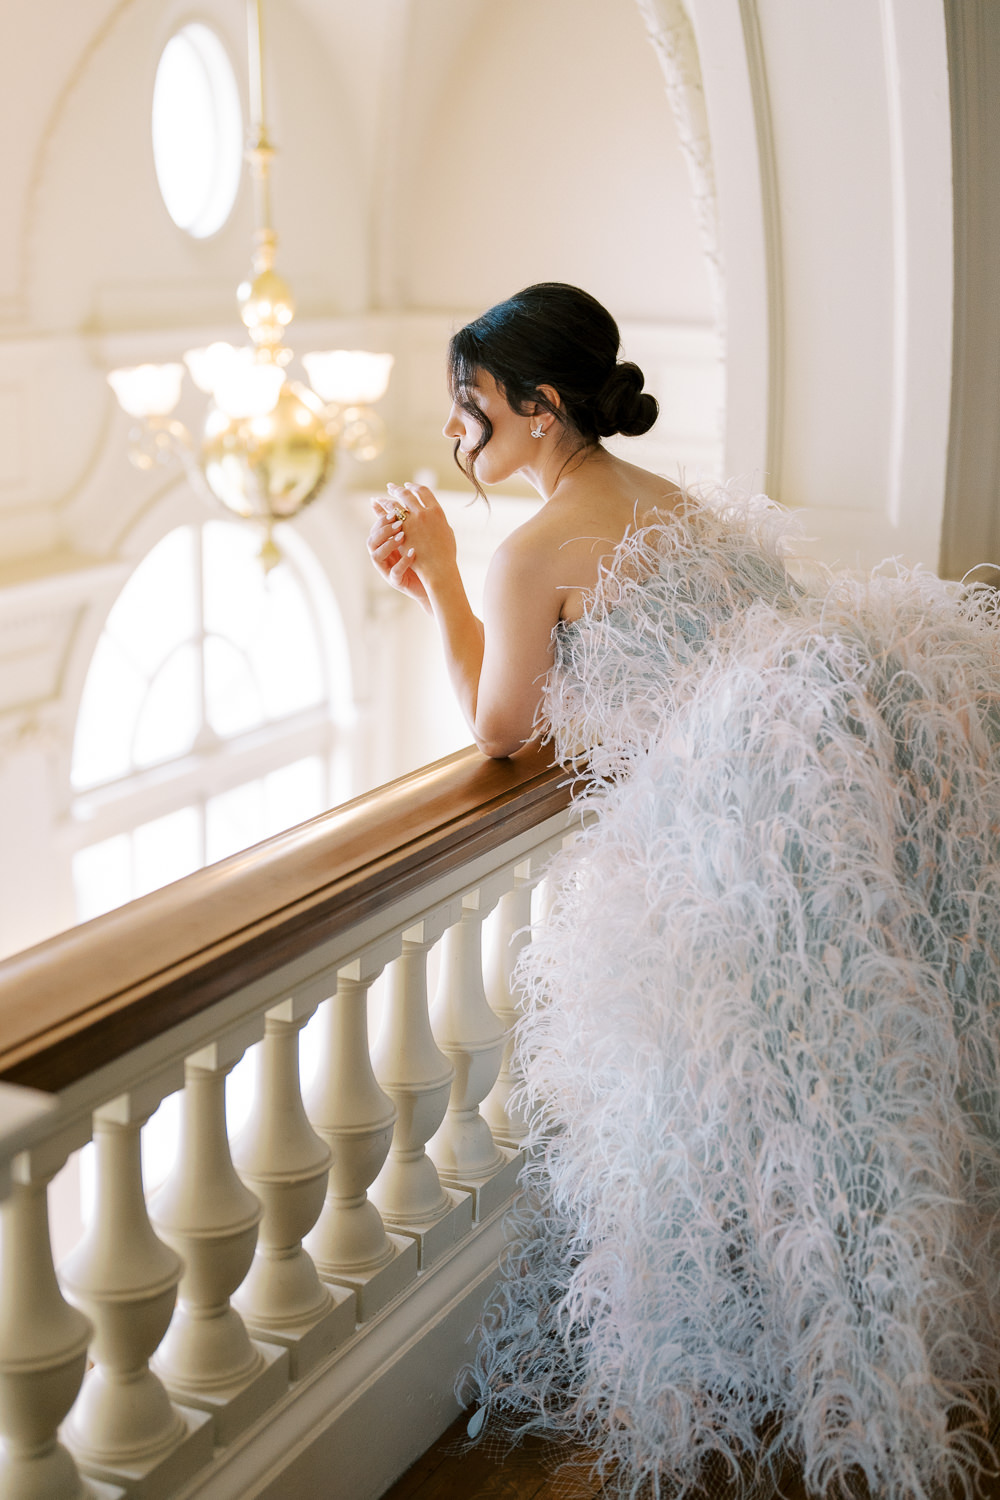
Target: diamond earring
{"x":538,"y":431}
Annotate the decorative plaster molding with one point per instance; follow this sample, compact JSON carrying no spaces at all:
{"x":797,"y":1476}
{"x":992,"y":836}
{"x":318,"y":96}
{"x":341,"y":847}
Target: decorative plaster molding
{"x":30,"y":733}
{"x":746,"y":282}
{"x":672,"y":37}
{"x":58,"y":581}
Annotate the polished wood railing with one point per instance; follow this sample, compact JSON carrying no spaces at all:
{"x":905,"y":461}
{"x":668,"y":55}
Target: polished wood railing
{"x":234,"y":1332}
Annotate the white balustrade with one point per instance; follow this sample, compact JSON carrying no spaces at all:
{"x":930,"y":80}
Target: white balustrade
{"x":284,"y":1161}
{"x":355,"y":1117}
{"x":507,"y":933}
{"x":123,"y":1427}
{"x":43,"y":1348}
{"x":472,"y":1037}
{"x":203,"y":1210}
{"x":259,"y":1318}
{"x":417,"y":1077}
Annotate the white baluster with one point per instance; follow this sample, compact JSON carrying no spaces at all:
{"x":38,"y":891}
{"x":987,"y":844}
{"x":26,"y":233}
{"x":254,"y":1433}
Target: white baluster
{"x":286,"y":1164}
{"x":204,"y":1211}
{"x":507,"y":933}
{"x":472,"y":1037}
{"x":43,"y":1346}
{"x":123,"y":1427}
{"x":352,"y":1114}
{"x":417,"y":1077}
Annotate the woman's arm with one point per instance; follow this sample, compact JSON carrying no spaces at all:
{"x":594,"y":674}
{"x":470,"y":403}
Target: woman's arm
{"x":496,"y":665}
{"x":520,"y":611}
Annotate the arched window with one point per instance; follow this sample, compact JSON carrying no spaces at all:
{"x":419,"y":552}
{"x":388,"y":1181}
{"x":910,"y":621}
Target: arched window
{"x":197,"y":130}
{"x":205,"y":721}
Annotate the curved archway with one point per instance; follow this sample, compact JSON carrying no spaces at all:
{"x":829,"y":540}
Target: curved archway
{"x":713,"y":68}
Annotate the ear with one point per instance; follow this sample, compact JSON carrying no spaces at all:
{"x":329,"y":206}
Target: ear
{"x":551,"y":395}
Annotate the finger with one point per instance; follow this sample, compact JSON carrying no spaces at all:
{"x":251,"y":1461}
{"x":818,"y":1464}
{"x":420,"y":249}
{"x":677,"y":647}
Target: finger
{"x":380,"y":547}
{"x":400,"y":569}
{"x":383,"y":528}
{"x":385,"y":507}
{"x":408,"y":495}
{"x":419,"y":494}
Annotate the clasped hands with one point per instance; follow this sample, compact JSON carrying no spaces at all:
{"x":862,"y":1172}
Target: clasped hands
{"x":411,"y":542}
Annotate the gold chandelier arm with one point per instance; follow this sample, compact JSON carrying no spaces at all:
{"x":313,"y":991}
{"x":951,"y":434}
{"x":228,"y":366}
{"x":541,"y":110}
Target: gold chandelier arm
{"x":155,"y":440}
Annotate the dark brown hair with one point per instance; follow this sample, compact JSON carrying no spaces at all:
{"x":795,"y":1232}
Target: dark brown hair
{"x":556,"y":335}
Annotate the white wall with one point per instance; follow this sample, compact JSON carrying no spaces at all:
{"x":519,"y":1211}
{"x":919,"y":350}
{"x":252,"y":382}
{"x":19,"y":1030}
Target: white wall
{"x":551,"y":154}
{"x":831,"y":141}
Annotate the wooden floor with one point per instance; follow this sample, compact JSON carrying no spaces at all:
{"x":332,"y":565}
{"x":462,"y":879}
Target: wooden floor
{"x":538,"y":1470}
{"x":535,"y":1470}
{"x":451,"y":1470}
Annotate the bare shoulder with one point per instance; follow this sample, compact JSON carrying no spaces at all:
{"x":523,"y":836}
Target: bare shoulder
{"x":570,"y":536}
{"x":534,"y":541}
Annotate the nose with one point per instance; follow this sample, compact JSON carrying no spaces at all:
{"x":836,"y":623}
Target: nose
{"x":453,"y":427}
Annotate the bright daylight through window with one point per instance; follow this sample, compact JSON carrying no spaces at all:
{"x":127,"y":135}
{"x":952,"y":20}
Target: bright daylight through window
{"x":197,"y":130}
{"x":204,"y":724}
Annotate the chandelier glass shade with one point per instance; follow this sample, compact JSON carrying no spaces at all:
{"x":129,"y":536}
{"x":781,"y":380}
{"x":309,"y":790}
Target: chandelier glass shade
{"x":269,"y":442}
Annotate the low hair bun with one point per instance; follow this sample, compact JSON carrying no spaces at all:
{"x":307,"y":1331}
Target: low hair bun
{"x":622,"y":406}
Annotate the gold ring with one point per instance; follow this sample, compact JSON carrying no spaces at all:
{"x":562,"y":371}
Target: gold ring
{"x":400,"y":513}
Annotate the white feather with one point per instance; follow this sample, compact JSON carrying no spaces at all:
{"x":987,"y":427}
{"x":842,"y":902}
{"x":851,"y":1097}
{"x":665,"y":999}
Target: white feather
{"x":761,"y":1051}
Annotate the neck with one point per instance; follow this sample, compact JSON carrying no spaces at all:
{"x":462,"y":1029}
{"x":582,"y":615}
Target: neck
{"x":562,"y":463}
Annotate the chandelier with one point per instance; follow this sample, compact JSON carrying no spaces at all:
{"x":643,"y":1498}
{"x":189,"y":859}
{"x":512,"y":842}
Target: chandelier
{"x":269,"y":441}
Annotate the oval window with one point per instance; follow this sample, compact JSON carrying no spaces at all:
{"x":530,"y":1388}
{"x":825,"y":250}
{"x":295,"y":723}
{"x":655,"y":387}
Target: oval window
{"x":197,"y":130}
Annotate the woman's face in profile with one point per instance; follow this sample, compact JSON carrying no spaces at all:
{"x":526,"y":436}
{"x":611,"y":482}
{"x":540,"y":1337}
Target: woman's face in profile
{"x":508,"y":446}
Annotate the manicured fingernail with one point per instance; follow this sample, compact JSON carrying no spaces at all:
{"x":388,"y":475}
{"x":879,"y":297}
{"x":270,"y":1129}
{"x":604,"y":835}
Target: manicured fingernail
{"x":412,"y":552}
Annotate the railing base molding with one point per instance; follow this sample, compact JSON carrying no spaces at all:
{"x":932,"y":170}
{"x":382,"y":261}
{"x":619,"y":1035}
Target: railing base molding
{"x":311,"y":1343}
{"x":490,"y":1193}
{"x":378,"y":1288}
{"x":437,"y":1238}
{"x":234,"y":1408}
{"x":349,"y":1430}
{"x":96,"y":1489}
{"x":160,"y":1478}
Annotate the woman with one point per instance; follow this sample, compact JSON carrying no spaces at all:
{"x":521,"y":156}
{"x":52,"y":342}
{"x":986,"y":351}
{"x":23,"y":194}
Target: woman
{"x":761,"y":1048}
{"x":535,"y":384}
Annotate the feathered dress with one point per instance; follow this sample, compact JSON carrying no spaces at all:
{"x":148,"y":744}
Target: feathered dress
{"x":761,"y":1044}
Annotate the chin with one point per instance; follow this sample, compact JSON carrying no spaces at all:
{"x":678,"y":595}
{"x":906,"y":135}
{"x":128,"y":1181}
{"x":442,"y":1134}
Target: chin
{"x":492,"y":473}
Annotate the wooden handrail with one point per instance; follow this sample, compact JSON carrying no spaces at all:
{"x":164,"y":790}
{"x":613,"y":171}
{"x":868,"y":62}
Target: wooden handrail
{"x":93,"y":993}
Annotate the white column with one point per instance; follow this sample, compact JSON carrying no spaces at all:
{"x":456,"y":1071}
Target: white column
{"x":472,"y":1037}
{"x":356,"y":1119}
{"x":43,"y":1347}
{"x":206,"y":1213}
{"x":124,"y":1427}
{"x":508,"y":932}
{"x":284,"y":1161}
{"x":417,"y":1077}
